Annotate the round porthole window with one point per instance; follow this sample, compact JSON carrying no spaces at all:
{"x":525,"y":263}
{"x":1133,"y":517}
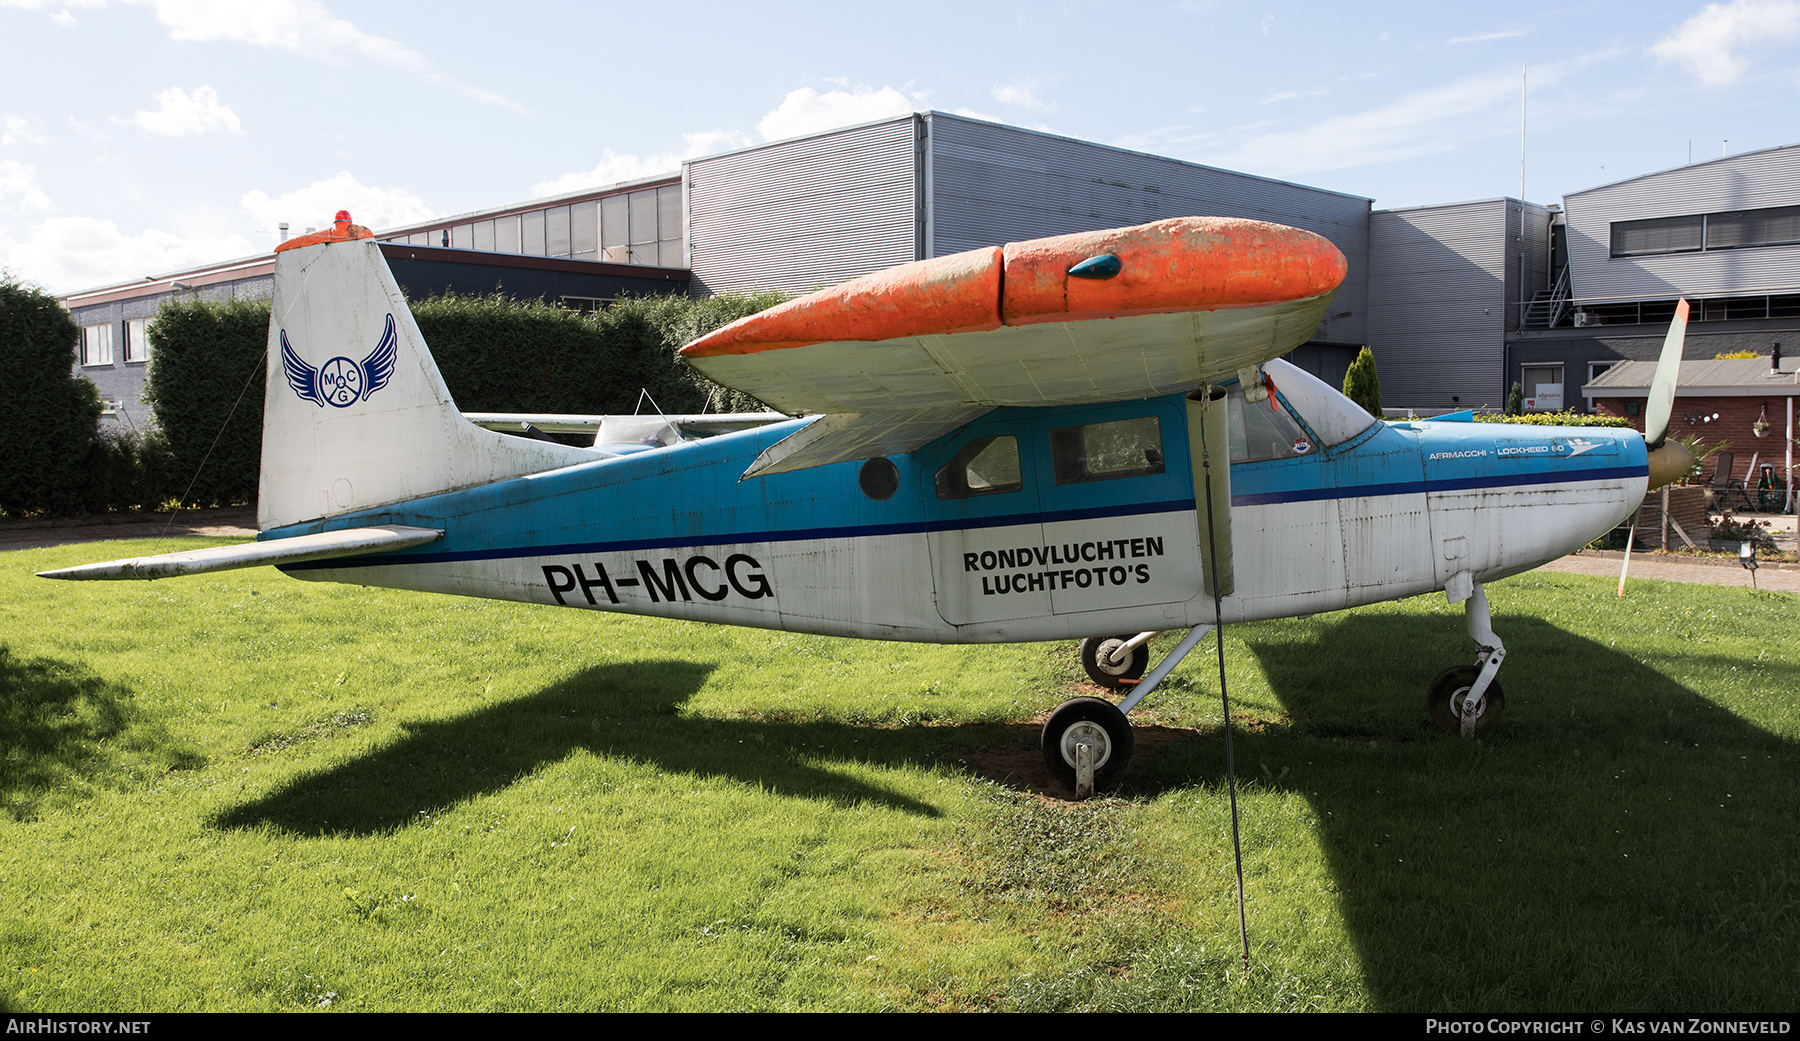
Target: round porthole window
{"x":879,"y":479}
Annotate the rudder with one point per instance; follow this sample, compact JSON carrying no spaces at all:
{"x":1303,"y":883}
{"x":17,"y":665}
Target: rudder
{"x":355,"y":413}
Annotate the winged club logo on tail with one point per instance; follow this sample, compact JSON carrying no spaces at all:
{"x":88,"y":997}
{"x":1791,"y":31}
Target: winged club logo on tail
{"x":341,"y":382}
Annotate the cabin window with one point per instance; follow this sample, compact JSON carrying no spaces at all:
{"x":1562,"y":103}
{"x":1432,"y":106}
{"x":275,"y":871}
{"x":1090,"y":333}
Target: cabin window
{"x":1104,"y":451}
{"x":985,"y":466}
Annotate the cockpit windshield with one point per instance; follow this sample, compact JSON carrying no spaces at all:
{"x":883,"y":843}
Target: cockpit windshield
{"x":1259,"y":431}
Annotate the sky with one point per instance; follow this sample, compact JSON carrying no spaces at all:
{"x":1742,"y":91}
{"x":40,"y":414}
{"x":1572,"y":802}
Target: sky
{"x":138,"y":137}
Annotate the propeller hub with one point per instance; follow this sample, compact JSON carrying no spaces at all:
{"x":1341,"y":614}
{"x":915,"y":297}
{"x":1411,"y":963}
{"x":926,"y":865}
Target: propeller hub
{"x":1670,"y":462}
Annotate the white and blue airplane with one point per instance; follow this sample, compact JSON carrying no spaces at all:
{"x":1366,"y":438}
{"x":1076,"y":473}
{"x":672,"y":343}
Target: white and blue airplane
{"x":1066,"y":438}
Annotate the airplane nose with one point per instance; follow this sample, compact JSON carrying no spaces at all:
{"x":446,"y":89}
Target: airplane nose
{"x":1669,"y":462}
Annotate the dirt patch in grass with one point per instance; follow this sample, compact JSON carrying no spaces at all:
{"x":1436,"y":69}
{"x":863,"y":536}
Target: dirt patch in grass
{"x":1019,"y":763}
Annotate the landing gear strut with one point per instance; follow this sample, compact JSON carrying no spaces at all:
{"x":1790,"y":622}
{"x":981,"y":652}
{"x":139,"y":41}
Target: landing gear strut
{"x":1465,"y":698}
{"x":1087,"y":741}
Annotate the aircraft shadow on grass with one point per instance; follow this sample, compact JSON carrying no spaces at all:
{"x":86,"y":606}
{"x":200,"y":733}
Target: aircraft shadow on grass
{"x":628,"y":711}
{"x":1618,"y":841}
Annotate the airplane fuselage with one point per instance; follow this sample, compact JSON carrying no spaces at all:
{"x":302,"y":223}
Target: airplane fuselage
{"x":1394,"y":511}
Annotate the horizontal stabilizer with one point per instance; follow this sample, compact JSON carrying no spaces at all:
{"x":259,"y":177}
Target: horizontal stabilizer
{"x":325,"y":545}
{"x":695,"y":425}
{"x":848,"y":436}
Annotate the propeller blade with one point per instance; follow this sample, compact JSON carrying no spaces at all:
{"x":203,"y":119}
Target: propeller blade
{"x":1668,"y":372}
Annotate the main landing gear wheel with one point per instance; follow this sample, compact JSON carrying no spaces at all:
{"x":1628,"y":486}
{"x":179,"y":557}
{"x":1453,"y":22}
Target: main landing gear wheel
{"x":1100,"y":724}
{"x":1095,"y":652}
{"x":1444,"y":699}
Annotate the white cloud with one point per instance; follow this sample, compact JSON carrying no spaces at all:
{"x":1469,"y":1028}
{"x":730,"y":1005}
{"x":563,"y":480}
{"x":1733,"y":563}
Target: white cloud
{"x":1484,"y":37}
{"x":304,"y":27}
{"x":614,"y":167}
{"x":1709,"y":45}
{"x":18,"y":132}
{"x":803,"y":111}
{"x":19,"y":191}
{"x":1423,"y":122}
{"x":65,"y":254}
{"x":314,"y":205}
{"x":62,"y":17}
{"x":806,"y":111}
{"x":180,"y":113}
{"x":611,"y":169}
{"x":1019,"y":94}
{"x":973,"y":114}
{"x":1289,"y":95}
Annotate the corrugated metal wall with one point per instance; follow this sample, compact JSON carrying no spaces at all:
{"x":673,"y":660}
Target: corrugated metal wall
{"x":804,"y":214}
{"x":990,"y":184}
{"x":1438,"y":301}
{"x":1753,"y":180}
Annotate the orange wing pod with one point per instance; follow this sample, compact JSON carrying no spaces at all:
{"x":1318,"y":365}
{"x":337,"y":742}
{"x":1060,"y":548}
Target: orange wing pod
{"x":953,"y":294}
{"x":1183,"y":264}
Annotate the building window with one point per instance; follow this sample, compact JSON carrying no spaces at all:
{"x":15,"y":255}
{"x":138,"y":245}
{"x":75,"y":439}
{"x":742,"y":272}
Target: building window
{"x":96,"y":344}
{"x":1771,"y":226}
{"x":1595,"y":368}
{"x":137,"y":340}
{"x":1636,"y":238}
{"x":641,"y":227}
{"x":1543,"y":388}
{"x":1778,"y":226}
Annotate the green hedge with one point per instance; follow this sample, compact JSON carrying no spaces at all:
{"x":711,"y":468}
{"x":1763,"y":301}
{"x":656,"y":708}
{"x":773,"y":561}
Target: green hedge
{"x":1553,"y":419}
{"x":50,"y":413}
{"x":500,"y":355}
{"x":207,"y":365}
{"x":496,"y":355}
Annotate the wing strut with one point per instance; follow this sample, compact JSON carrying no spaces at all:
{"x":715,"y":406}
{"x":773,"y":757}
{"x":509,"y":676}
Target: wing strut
{"x":1217,"y":575}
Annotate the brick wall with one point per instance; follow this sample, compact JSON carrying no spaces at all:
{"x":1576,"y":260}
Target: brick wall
{"x":1735,"y":417}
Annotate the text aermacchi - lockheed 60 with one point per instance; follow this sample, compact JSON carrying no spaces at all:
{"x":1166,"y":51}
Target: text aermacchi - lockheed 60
{"x":1066,"y":438}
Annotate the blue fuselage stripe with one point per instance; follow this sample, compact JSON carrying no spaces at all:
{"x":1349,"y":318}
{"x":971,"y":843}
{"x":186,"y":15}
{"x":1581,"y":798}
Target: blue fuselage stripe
{"x":1009,"y":520}
{"x":1608,"y":473}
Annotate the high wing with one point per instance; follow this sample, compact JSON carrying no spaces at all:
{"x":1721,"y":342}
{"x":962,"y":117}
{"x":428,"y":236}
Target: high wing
{"x":899,"y":357}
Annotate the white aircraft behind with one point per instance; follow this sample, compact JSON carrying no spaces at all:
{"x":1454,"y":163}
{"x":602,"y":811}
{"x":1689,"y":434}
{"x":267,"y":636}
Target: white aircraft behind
{"x":1018,"y":443}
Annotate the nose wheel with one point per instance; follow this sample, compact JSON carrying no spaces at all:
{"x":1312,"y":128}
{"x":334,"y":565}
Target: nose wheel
{"x":1465,"y":698}
{"x":1447,"y":699}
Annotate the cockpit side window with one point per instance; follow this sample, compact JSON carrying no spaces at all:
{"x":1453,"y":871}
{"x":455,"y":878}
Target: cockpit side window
{"x":985,"y":466}
{"x":1104,"y":451}
{"x":1259,"y":432}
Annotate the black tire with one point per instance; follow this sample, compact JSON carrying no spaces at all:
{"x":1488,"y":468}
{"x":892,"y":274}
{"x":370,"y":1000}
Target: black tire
{"x":1097,"y":719}
{"x":1443,"y":699}
{"x":1094,"y":650}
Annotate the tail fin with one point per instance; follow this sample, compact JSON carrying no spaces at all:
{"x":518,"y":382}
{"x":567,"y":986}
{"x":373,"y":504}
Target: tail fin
{"x":355,"y":414}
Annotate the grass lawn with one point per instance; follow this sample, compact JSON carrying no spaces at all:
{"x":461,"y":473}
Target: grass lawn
{"x":247,"y":792}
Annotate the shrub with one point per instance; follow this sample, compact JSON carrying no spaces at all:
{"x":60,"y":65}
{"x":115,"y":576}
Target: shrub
{"x":204,"y":383}
{"x":51,"y":414}
{"x":1362,"y":384}
{"x":1553,"y":419}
